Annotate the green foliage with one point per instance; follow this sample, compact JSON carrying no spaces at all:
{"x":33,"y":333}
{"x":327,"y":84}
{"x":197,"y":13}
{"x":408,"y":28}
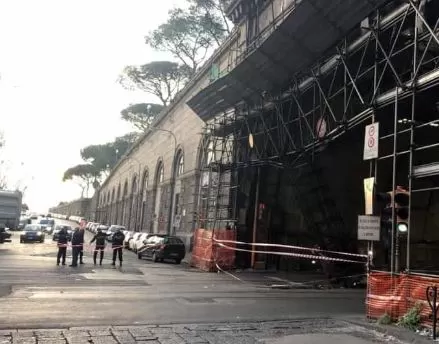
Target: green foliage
{"x":85,"y":174}
{"x":385,"y":319}
{"x":211,"y":15}
{"x":412,"y":319}
{"x":104,"y":157}
{"x":160,"y":78}
{"x":187,"y":36}
{"x":83,"y":171}
{"x":100,"y":160}
{"x":141,"y":115}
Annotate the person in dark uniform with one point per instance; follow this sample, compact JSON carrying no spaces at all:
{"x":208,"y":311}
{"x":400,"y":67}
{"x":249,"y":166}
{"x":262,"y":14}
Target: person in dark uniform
{"x":62,"y":246}
{"x":76,"y":246}
{"x":81,"y":247}
{"x":100,"y":245}
{"x":117,"y":246}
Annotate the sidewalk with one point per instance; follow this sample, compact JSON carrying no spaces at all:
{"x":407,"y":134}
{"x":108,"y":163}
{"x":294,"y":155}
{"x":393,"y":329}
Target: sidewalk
{"x":303,"y":331}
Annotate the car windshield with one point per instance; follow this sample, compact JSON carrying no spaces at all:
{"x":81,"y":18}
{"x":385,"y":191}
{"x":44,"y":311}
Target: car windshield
{"x":32,"y":228}
{"x":44,"y":222}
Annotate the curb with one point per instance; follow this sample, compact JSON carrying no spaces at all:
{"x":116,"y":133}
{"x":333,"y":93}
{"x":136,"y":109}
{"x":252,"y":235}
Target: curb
{"x":397,"y":332}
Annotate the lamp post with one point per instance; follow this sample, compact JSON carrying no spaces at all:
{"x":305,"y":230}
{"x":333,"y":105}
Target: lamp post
{"x":172,"y":174}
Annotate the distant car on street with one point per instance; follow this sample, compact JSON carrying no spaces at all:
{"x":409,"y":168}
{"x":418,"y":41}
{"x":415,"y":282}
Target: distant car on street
{"x":47,"y":225}
{"x":58,"y":229}
{"x":32,"y":233}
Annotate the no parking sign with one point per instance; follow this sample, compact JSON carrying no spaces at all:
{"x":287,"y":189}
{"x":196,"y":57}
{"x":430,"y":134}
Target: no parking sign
{"x":371,"y":138}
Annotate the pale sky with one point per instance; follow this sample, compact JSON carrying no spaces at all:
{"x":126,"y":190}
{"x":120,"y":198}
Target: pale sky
{"x":59,"y":61}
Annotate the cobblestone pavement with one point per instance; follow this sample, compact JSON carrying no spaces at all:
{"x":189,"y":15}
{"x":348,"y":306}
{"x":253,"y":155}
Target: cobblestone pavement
{"x":299,"y":331}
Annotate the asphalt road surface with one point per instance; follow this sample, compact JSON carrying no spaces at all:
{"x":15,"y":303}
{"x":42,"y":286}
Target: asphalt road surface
{"x":35,"y":293}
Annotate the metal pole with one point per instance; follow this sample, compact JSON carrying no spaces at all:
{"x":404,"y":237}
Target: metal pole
{"x":375,"y":85}
{"x":395,"y":246}
{"x":255,"y":218}
{"x":412,"y":143}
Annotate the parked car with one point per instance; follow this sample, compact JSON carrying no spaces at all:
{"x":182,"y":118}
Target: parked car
{"x":162,"y":246}
{"x":139,"y":241}
{"x":32,"y":233}
{"x":103,"y":228}
{"x":112,"y":230}
{"x":131,"y":243}
{"x":5,"y":235}
{"x":128,"y":238}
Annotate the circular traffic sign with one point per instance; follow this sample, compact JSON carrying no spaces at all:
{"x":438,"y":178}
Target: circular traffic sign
{"x":371,"y":142}
{"x":371,"y":130}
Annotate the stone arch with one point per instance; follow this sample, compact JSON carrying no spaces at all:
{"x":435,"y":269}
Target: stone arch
{"x":177,"y":197}
{"x":157,"y":195}
{"x":143,"y":198}
{"x":118,"y":202}
{"x":132,"y":203}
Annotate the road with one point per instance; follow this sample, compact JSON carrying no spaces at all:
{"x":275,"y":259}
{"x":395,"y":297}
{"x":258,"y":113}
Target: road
{"x":35,"y":293}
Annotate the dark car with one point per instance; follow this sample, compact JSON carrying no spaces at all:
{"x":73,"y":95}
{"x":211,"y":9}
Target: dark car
{"x":32,"y":233}
{"x":47,"y":225}
{"x":5,"y":235}
{"x":161,"y":246}
{"x":113,"y":229}
{"x":58,"y":229}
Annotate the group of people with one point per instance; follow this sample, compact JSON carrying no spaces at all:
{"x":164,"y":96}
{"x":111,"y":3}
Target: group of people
{"x":78,"y":246}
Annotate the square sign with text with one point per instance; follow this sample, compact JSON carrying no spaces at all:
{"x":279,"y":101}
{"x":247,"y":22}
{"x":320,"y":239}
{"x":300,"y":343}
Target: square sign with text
{"x":369,"y":227}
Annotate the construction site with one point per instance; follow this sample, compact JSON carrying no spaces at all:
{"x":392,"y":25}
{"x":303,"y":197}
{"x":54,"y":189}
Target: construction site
{"x":285,"y":136}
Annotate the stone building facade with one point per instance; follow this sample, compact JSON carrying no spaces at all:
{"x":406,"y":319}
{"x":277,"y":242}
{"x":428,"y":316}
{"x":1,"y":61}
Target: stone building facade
{"x":153,"y":188}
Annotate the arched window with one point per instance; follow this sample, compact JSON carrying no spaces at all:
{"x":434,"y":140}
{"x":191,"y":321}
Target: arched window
{"x":180,"y":164}
{"x":125,"y":189}
{"x":144,"y":184}
{"x":158,"y":189}
{"x":160,"y":173}
{"x":118,"y":193}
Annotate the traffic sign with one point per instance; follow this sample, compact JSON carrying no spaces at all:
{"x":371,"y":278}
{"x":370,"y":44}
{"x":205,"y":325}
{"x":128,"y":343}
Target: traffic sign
{"x":369,"y":227}
{"x":371,"y":138}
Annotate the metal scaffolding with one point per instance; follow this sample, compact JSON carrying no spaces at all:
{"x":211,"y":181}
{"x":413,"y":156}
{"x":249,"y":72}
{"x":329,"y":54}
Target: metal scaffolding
{"x":218,"y":187}
{"x":376,"y":73}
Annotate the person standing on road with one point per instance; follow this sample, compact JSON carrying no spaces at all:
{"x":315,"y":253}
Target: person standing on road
{"x":76,"y":246}
{"x":100,"y":245}
{"x":62,"y":246}
{"x":81,"y":247}
{"x":117,"y":245}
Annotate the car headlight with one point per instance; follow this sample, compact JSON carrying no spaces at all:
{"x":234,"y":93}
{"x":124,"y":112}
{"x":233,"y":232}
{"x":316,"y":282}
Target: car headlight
{"x":39,"y":233}
{"x":48,"y":229}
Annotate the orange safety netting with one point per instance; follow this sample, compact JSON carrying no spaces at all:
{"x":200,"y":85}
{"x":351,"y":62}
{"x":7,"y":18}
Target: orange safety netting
{"x":396,"y":294}
{"x":206,"y":254}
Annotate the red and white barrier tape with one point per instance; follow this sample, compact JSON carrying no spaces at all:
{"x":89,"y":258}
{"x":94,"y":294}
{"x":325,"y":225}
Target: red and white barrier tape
{"x":290,"y":247}
{"x":289,"y":254}
{"x":90,"y":247}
